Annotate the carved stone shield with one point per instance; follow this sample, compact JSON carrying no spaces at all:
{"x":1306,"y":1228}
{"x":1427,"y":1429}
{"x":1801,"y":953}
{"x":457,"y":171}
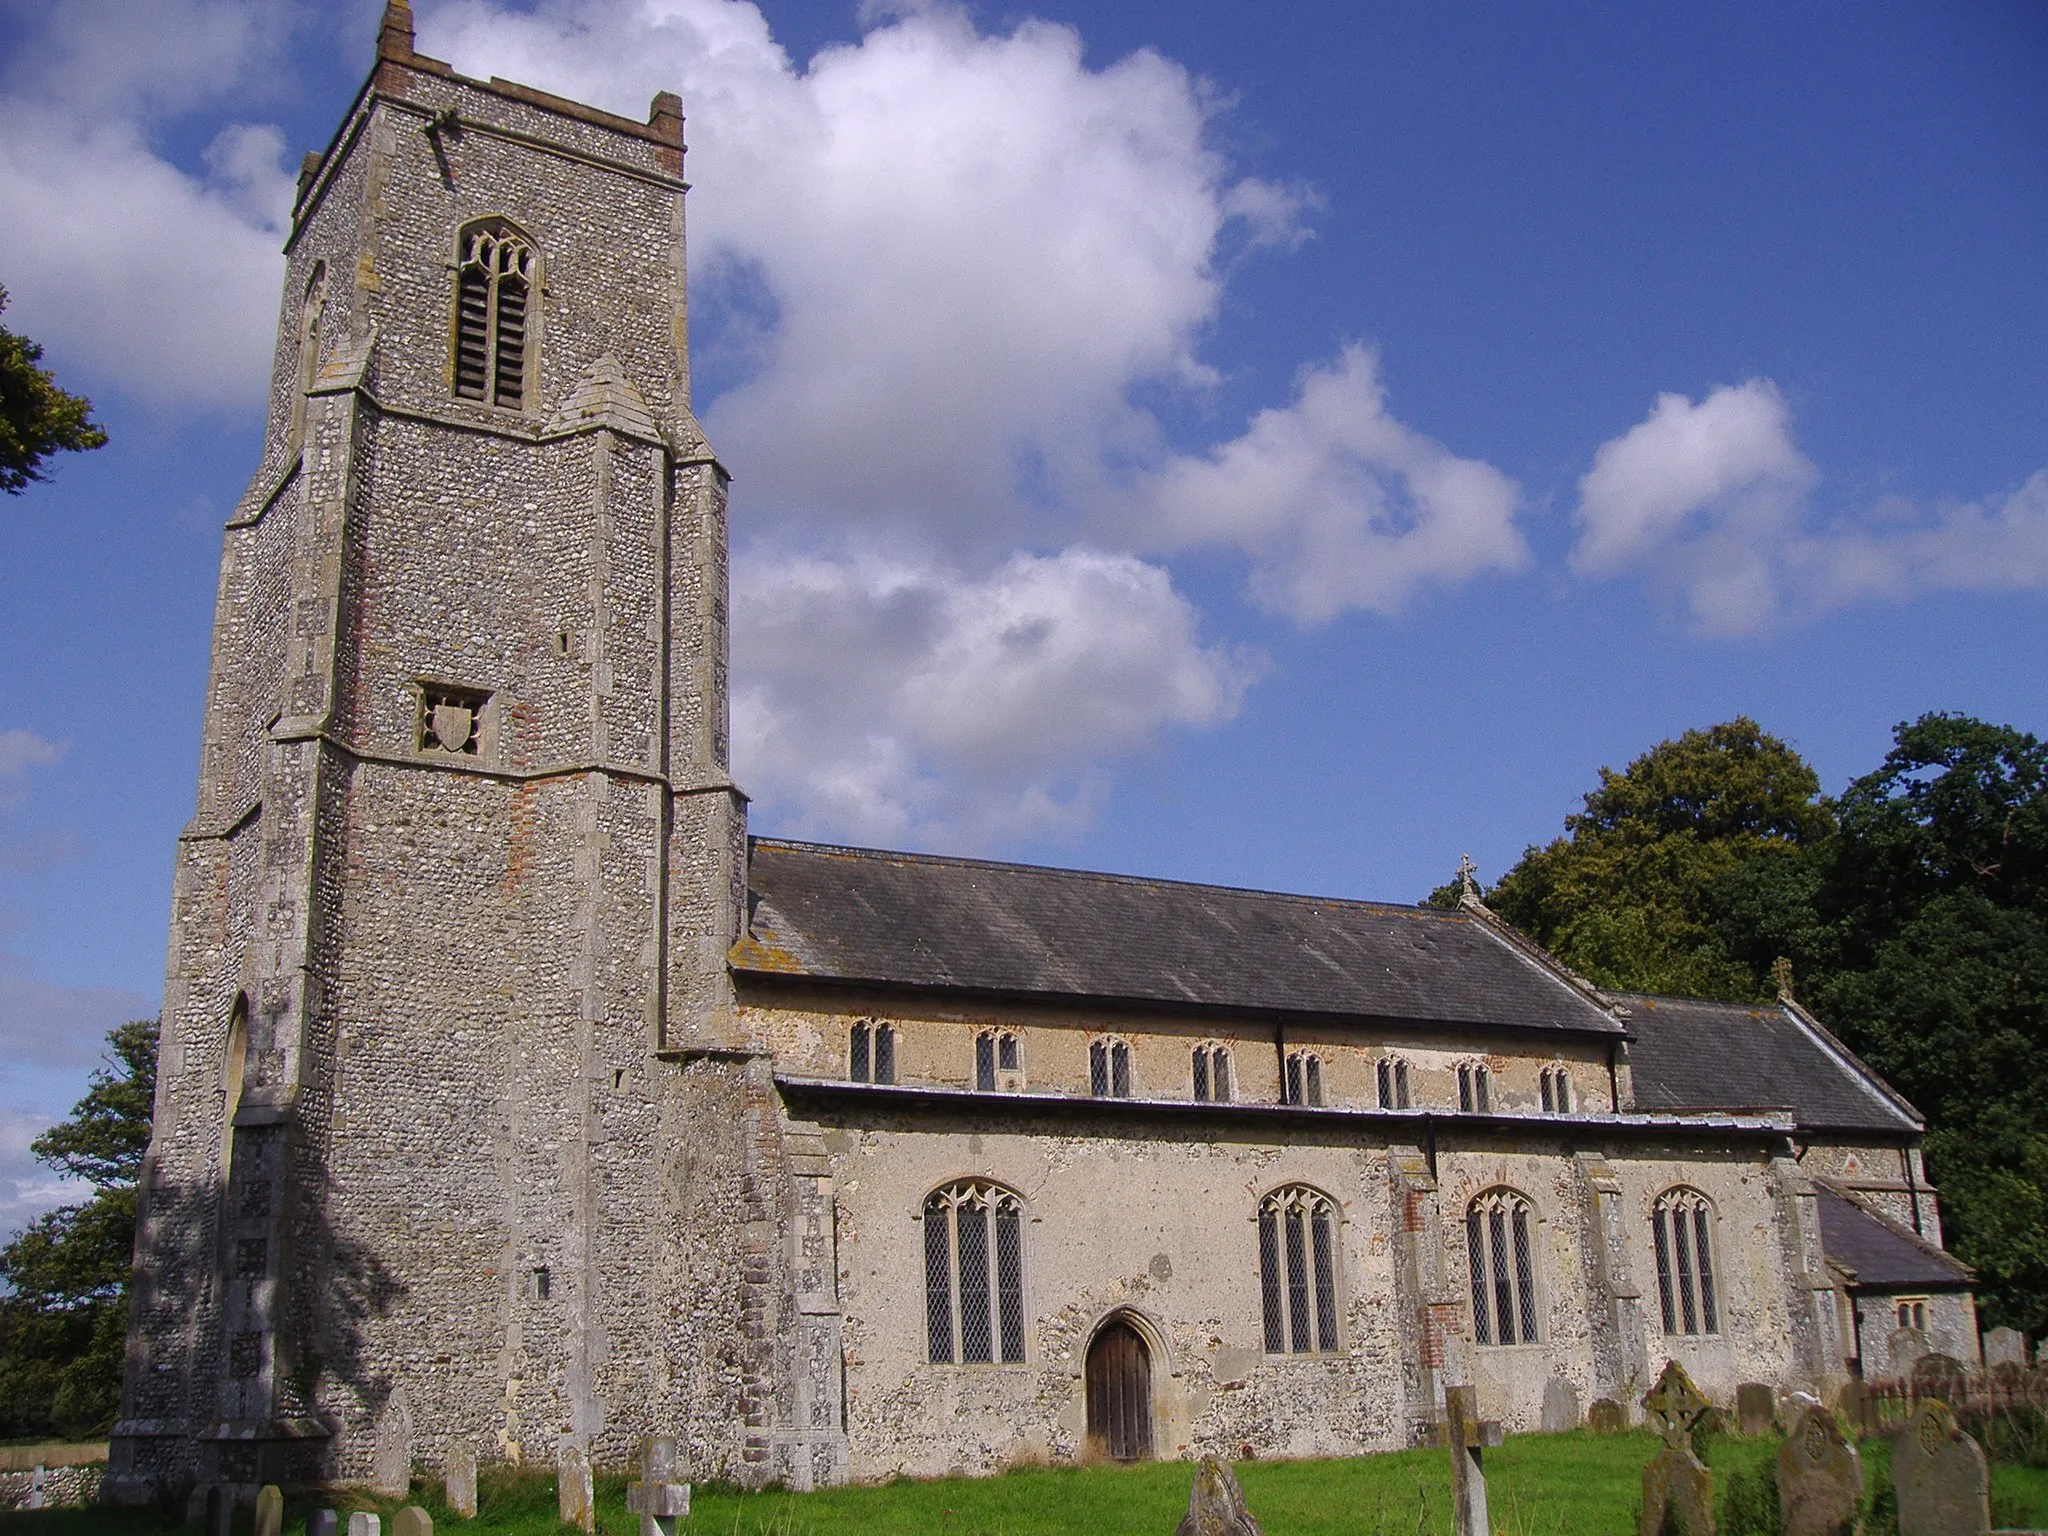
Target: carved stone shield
{"x":452,"y":725}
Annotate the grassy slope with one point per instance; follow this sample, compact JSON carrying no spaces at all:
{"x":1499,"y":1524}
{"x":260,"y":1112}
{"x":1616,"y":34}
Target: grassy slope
{"x":1539,"y":1485}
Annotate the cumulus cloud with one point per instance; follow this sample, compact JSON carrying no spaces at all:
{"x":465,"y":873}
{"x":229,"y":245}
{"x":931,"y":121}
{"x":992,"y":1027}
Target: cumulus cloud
{"x":1715,"y":502}
{"x":895,"y":701}
{"x":27,"y":1187}
{"x":21,"y":750}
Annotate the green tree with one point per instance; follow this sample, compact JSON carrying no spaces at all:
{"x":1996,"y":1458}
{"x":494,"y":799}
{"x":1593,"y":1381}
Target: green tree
{"x":1632,"y":895}
{"x":37,"y":419}
{"x":64,"y":1319}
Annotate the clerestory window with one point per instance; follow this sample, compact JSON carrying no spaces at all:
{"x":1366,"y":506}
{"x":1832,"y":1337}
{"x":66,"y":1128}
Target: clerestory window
{"x":1298,"y":1271}
{"x":494,"y":282}
{"x":1475,"y":1089}
{"x":1212,"y":1074}
{"x":995,"y":1051}
{"x":1393,"y":1083}
{"x":871,"y":1053}
{"x":974,"y":1274}
{"x":1680,"y":1227}
{"x":1499,"y":1244}
{"x":1109,"y":1069}
{"x":1304,"y":1081}
{"x":1557,"y":1091}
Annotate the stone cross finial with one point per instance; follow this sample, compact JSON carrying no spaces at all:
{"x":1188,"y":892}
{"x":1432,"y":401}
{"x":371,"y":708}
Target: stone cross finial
{"x":1468,"y":884}
{"x":1467,"y":1436}
{"x":1781,"y":973}
{"x":658,"y":1498}
{"x":1675,"y":1405}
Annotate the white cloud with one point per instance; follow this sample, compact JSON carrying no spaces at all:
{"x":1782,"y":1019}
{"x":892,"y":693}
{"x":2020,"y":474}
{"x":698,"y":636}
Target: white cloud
{"x":1714,"y":501}
{"x":21,"y":750}
{"x":27,"y":1187}
{"x":902,"y":702}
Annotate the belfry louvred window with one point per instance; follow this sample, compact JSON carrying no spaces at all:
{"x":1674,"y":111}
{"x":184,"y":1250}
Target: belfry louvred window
{"x":1680,"y":1230}
{"x":974,"y":1274}
{"x":1499,"y":1242}
{"x":493,"y":291}
{"x":1298,"y":1271}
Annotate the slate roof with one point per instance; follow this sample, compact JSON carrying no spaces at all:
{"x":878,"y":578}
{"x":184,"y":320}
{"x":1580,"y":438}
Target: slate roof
{"x":1696,"y":1055}
{"x":1881,"y":1256}
{"x":1019,"y":930}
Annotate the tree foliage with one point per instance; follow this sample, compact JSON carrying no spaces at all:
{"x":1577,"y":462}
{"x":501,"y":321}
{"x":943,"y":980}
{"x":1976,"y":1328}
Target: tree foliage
{"x":64,"y":1320}
{"x":37,"y":419}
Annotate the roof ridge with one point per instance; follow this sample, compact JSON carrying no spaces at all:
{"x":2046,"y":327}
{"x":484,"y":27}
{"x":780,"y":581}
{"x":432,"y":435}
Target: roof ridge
{"x":1107,"y":876}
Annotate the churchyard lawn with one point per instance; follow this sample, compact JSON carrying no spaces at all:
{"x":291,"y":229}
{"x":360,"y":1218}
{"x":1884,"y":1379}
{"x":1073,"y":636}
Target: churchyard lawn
{"x":1578,"y":1484}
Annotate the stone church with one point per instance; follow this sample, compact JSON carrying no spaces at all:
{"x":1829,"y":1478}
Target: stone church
{"x":512,"y":1096}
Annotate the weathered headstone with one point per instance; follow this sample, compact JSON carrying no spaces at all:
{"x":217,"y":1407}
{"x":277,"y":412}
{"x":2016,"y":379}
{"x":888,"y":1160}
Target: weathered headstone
{"x":1560,"y":1406}
{"x":1939,"y":1475}
{"x":1854,"y":1408}
{"x":412,"y":1521}
{"x":458,"y":1477}
{"x":270,"y":1511}
{"x":1756,"y":1408}
{"x":322,"y":1522}
{"x":1605,"y":1417}
{"x":1678,"y":1492}
{"x":1906,"y":1346}
{"x":1939,"y":1376}
{"x":660,"y":1498}
{"x":1216,"y":1504}
{"x":1467,"y":1439}
{"x":2005,"y":1346}
{"x":574,"y":1497}
{"x":1820,"y":1478}
{"x":220,"y":1511}
{"x":364,"y":1523}
{"x":391,"y":1455}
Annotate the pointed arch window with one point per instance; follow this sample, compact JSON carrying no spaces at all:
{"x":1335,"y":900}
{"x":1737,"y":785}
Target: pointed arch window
{"x":494,"y":282}
{"x":1298,"y":1271}
{"x":871,"y":1053}
{"x":1393,"y":1083}
{"x":1109,"y":1069}
{"x":1499,"y":1242}
{"x":1304,"y":1084}
{"x":974,"y":1274}
{"x":1681,"y":1227}
{"x":1212,"y":1074}
{"x":997,"y":1060}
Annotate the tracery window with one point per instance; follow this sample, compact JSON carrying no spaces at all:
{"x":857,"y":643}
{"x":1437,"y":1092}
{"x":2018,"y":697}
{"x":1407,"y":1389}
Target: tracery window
{"x":493,"y":284}
{"x":1212,"y":1074}
{"x":1298,"y":1270}
{"x":1109,"y":1069}
{"x":974,"y":1274}
{"x":1499,"y":1243}
{"x":1304,"y":1084}
{"x":1393,"y":1075}
{"x":1475,"y":1089}
{"x":995,"y":1050}
{"x":1680,"y":1227}
{"x":1557,"y":1091}
{"x":871,"y":1053}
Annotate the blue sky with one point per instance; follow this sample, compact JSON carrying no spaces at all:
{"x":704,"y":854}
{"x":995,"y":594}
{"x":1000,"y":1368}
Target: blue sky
{"x":1285,"y":446}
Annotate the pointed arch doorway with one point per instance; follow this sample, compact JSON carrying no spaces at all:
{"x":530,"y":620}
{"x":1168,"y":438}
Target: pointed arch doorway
{"x":1119,"y":1379}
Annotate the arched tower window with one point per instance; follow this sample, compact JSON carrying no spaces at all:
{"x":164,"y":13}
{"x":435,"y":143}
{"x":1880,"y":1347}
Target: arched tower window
{"x":234,"y":1062}
{"x":1681,"y":1224}
{"x":974,"y":1274}
{"x":1298,"y":1270}
{"x":1212,"y":1074}
{"x":311,"y":307}
{"x":1304,"y":1083}
{"x":871,"y":1053}
{"x":1500,"y":1244}
{"x":1393,"y":1083}
{"x":1109,"y":1069}
{"x":494,"y":282}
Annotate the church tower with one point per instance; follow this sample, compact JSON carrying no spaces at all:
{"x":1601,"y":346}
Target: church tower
{"x":467,"y":857}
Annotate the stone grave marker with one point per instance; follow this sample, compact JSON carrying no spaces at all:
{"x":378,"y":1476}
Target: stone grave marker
{"x":2005,"y":1346}
{"x":1560,"y":1406}
{"x":391,"y":1456}
{"x":1854,"y":1408}
{"x":1678,"y":1492}
{"x":220,"y":1511}
{"x":1605,"y":1417}
{"x":1216,"y":1504}
{"x":575,"y":1499}
{"x":270,"y":1511}
{"x":1820,"y":1478}
{"x":1906,"y":1345}
{"x":412,"y":1521}
{"x":363,"y":1523}
{"x":660,"y":1498}
{"x":1940,"y":1376}
{"x":323,"y":1522}
{"x":1939,"y":1475}
{"x":1467,"y":1439}
{"x":1756,"y":1408}
{"x":458,"y":1477}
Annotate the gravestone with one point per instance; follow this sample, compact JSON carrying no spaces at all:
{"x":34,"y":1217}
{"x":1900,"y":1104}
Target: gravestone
{"x":458,"y":1477}
{"x":1854,"y":1408}
{"x":1756,"y":1408}
{"x":660,"y":1498}
{"x":220,"y":1511}
{"x":1939,"y":1476}
{"x":1467,"y":1439}
{"x":1906,"y":1347}
{"x":1605,"y":1417}
{"x":322,"y":1522}
{"x":1216,"y":1504}
{"x":270,"y":1511}
{"x":1939,"y":1376}
{"x":1560,"y":1406}
{"x":574,"y":1497}
{"x":412,"y":1521}
{"x":2005,"y":1346}
{"x":364,"y":1523}
{"x":1820,"y":1478}
{"x":1678,"y":1492}
{"x":391,"y":1456}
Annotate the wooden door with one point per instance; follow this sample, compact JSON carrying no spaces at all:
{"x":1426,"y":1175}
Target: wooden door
{"x":1120,"y":1394}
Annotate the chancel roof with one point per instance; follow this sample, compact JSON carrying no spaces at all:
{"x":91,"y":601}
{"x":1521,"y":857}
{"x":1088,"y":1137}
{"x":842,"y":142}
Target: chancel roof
{"x":1690,"y":1055}
{"x":1880,"y":1255}
{"x":912,"y":920}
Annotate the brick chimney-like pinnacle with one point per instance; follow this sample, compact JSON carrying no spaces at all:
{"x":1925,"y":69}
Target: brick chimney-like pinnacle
{"x":394,"y":37}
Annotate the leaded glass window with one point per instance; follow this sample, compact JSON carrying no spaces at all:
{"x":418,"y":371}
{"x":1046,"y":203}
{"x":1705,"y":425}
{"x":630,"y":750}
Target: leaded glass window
{"x":1109,"y":1069}
{"x":1212,"y":1074}
{"x":1304,"y":1083}
{"x":1393,"y":1083}
{"x":1499,"y":1244}
{"x":1298,"y":1271}
{"x":871,"y":1053}
{"x":974,"y":1274}
{"x":1680,"y":1230}
{"x":1475,"y":1089}
{"x":1557,"y":1091}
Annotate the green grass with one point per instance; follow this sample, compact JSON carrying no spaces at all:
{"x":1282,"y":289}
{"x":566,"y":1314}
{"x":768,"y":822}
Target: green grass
{"x":1538,"y":1485}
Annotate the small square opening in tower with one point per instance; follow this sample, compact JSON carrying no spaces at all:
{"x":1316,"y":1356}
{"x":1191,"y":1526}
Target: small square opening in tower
{"x":451,"y":719}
